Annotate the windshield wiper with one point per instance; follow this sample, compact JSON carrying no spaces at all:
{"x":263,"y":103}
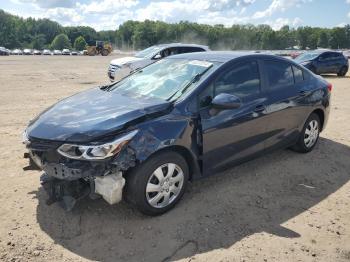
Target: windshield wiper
{"x":195,"y":79}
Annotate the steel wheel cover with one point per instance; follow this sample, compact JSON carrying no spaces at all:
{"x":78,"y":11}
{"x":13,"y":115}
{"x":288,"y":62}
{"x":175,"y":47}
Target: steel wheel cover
{"x":311,"y":133}
{"x":164,"y":185}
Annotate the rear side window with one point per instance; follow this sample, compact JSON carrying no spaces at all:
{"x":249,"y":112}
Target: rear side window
{"x":298,"y":74}
{"x":242,"y":80}
{"x":279,"y":74}
{"x":191,"y":49}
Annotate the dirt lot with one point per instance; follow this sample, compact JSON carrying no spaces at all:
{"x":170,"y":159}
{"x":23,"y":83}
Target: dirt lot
{"x":284,"y":206}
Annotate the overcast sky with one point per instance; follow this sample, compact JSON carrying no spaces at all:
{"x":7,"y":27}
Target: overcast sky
{"x":108,"y":14}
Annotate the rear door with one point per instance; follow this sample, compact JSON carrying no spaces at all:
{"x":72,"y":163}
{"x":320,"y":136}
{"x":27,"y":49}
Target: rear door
{"x":232,"y":134}
{"x":283,"y":93}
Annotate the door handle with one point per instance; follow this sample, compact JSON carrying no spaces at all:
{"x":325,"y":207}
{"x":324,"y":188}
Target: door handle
{"x":259,"y":108}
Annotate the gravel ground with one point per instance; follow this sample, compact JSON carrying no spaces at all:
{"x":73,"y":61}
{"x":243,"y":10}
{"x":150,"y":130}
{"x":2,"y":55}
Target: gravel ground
{"x":284,"y":206}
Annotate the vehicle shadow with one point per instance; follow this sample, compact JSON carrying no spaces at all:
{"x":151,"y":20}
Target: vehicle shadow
{"x":216,"y":212}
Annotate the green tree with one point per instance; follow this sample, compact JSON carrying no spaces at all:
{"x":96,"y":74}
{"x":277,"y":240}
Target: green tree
{"x":80,"y":43}
{"x":38,"y":41}
{"x":17,"y":32}
{"x":60,"y":42}
{"x":323,"y":40}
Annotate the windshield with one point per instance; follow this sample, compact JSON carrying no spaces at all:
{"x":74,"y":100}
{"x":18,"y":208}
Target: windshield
{"x":307,"y":57}
{"x":148,"y":52}
{"x":165,"y":79}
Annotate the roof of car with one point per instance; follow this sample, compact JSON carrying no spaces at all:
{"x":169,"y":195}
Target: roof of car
{"x":181,"y":44}
{"x":220,"y":56}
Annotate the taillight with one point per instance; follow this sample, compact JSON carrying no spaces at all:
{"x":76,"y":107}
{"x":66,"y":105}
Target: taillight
{"x":329,"y":87}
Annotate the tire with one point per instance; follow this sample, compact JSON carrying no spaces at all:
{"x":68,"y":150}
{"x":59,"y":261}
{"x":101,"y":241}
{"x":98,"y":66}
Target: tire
{"x":342,"y":71}
{"x":145,"y":176}
{"x":104,"y":52}
{"x":305,"y":145}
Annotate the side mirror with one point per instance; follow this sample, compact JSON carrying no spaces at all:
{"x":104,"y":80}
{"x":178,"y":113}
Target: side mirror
{"x":157,"y":56}
{"x":226,"y":101}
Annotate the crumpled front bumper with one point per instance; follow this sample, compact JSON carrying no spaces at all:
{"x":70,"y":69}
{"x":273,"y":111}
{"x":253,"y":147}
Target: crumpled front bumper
{"x":67,"y":181}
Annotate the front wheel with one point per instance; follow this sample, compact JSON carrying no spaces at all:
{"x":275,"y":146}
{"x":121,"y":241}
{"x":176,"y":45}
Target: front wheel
{"x":156,"y":185}
{"x":104,"y":52}
{"x":309,"y":135}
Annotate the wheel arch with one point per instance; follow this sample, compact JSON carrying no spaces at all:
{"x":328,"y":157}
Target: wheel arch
{"x":190,"y":158}
{"x":320,"y":113}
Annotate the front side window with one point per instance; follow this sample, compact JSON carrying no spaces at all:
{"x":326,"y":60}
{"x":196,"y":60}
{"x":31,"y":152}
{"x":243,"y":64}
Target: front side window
{"x":242,"y":80}
{"x":148,"y":52}
{"x":279,"y":74}
{"x":306,"y":57}
{"x":164,"y":79}
{"x":326,"y":57}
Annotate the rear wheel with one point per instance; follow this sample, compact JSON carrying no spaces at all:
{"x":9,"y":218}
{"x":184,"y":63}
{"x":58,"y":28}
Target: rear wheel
{"x":158,"y":184}
{"x":343,"y":71}
{"x":309,"y":135}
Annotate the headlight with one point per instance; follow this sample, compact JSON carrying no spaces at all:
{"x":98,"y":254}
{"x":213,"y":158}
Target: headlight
{"x":97,"y":152}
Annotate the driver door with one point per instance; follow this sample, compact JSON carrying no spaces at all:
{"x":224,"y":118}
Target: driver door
{"x":231,"y":135}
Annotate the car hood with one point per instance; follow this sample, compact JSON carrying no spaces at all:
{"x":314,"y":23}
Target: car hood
{"x":93,"y":114}
{"x":125,"y":60}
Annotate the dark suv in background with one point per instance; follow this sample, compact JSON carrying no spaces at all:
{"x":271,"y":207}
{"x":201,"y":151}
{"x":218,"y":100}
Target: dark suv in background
{"x":324,"y":62}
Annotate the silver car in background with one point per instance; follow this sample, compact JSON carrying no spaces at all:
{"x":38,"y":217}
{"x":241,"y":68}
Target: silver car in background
{"x":121,"y":67}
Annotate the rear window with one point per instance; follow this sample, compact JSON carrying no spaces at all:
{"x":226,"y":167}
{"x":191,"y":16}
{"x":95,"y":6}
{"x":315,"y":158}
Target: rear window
{"x":298,"y":74}
{"x":279,"y":74}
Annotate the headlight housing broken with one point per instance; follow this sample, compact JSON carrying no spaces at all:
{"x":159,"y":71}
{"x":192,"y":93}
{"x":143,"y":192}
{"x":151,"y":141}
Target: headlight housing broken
{"x":96,"y":152}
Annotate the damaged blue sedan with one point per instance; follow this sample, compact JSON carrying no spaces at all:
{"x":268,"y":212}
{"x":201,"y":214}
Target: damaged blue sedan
{"x":182,"y":118}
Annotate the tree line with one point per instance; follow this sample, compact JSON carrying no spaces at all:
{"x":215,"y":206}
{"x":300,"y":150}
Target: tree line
{"x":17,"y":32}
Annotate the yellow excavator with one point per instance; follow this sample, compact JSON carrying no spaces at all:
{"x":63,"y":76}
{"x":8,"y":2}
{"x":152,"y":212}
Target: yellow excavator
{"x":99,"y":48}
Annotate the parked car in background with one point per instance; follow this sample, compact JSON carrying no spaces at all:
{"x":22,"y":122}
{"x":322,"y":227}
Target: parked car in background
{"x":122,"y":67}
{"x":27,"y":51}
{"x":324,"y":62}
{"x":295,"y":54}
{"x":57,"y":52}
{"x":36,"y":52}
{"x":65,"y":52}
{"x":74,"y":53}
{"x":181,"y":118}
{"x":47,"y":52}
{"x":17,"y":52}
{"x":4,"y":51}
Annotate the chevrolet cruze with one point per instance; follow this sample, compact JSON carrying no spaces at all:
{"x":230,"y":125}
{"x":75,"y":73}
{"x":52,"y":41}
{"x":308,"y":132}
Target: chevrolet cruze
{"x":182,"y":118}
